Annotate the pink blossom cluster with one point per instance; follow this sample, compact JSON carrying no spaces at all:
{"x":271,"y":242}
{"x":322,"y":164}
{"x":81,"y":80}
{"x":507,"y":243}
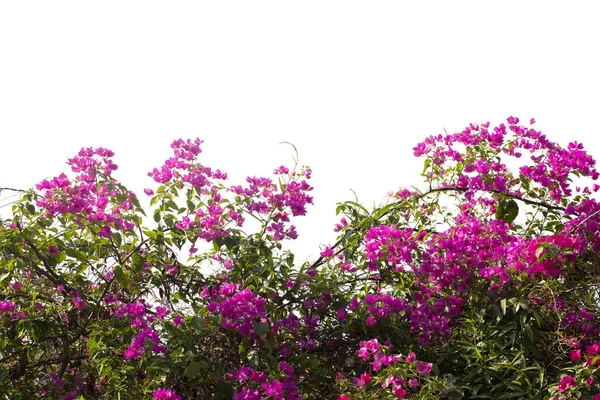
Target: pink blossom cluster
{"x":585,"y":222}
{"x":135,"y":311}
{"x":592,"y":351}
{"x":378,"y":306}
{"x":238,"y":308}
{"x":398,"y":385}
{"x":449,"y":261}
{"x":209,"y":218}
{"x":394,"y":244}
{"x":568,"y":381}
{"x":7,"y":306}
{"x":372,"y":347}
{"x":490,"y":175}
{"x":257,"y":385}
{"x":547,"y":256}
{"x":263,"y":197}
{"x":145,"y":338}
{"x":93,"y":196}
{"x":166,"y":394}
{"x":77,"y":301}
{"x":182,"y":167}
{"x":209,"y":224}
{"x":582,"y":321}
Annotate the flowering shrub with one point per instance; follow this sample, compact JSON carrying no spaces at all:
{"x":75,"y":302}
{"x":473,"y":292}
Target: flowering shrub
{"x":483,"y":283}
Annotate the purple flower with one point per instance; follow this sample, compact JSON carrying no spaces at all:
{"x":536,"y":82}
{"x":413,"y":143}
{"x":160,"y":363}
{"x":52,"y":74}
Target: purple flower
{"x":327,"y":252}
{"x":52,"y":250}
{"x":178,"y":320}
{"x":166,"y":394}
{"x":565,"y":383}
{"x":424,"y":368}
{"x":342,"y":314}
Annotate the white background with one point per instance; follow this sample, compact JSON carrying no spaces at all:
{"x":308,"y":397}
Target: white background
{"x":353,"y":85}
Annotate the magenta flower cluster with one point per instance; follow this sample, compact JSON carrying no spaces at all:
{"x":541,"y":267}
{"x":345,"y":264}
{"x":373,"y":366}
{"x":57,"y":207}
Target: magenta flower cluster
{"x":238,"y":309}
{"x":166,"y":394}
{"x":93,"y":196}
{"x":372,"y":349}
{"x":145,"y":338}
{"x":487,"y":174}
{"x":257,"y":385}
{"x":437,"y":254}
{"x":263,"y":197}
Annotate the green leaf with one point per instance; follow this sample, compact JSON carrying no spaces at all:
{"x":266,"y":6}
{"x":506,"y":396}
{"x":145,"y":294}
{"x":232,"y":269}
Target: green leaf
{"x":151,"y":234}
{"x":503,"y":306}
{"x":426,"y":165}
{"x":261,"y":328}
{"x":224,"y":391}
{"x":190,"y":205}
{"x":539,"y":252}
{"x":60,"y":257}
{"x":507,"y":210}
{"x":243,"y":348}
{"x":122,"y":277}
{"x":197,"y":323}
{"x":31,"y":208}
{"x":192,"y":370}
{"x":92,"y":347}
{"x":529,"y":332}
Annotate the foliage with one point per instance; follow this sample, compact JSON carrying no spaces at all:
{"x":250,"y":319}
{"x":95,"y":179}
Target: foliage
{"x":484,"y":284}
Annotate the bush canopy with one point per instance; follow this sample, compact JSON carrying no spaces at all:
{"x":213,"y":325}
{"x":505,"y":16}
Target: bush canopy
{"x":481,"y":284}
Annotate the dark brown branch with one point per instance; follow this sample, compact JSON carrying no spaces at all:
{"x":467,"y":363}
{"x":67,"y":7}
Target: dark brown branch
{"x":12,"y":190}
{"x":49,"y":272}
{"x":513,"y":196}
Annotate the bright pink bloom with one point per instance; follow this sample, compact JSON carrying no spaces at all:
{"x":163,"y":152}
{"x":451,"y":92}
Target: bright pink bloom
{"x":593,"y":349}
{"x":178,"y":320}
{"x":327,"y":252}
{"x":424,"y":368}
{"x":166,"y":394}
{"x":565,"y":383}
{"x":7,"y":306}
{"x":399,"y":392}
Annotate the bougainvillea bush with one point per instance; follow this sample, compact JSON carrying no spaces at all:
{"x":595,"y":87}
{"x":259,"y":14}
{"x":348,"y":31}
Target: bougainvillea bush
{"x":482,"y":283}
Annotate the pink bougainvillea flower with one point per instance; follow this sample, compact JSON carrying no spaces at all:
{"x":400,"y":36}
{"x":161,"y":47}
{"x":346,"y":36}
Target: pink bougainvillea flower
{"x":327,"y":252}
{"x":166,"y":394}
{"x":7,"y":306}
{"x":593,"y":349}
{"x":177,"y":320}
{"x":565,"y":383}
{"x":424,"y":368}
